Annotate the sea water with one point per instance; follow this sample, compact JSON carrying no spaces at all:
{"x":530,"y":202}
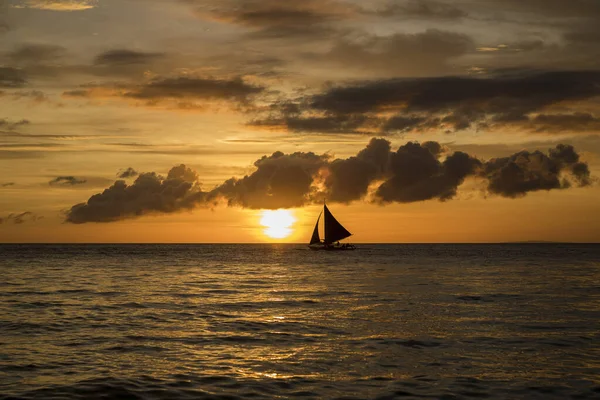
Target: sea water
{"x":281,"y":321}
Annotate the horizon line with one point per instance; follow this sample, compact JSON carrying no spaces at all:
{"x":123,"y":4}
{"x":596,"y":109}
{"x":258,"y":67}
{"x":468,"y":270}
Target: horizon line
{"x":292,"y":243}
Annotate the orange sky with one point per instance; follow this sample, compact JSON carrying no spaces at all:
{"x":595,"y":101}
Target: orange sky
{"x":85,"y":94}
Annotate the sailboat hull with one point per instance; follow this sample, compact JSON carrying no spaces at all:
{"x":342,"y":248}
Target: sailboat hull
{"x":332,"y":248}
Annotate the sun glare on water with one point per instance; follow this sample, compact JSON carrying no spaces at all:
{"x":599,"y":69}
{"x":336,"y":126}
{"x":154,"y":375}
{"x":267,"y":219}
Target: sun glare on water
{"x":278,"y":224}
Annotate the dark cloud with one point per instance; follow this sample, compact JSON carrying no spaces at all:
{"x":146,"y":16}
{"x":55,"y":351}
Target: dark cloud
{"x":257,"y":14}
{"x":36,"y":96}
{"x":553,"y":8}
{"x":7,"y":184}
{"x":501,"y":94}
{"x":402,"y":123}
{"x":49,"y":61}
{"x":36,"y":53}
{"x":322,"y":124}
{"x":525,"y":172}
{"x":77,"y":93}
{"x":317,"y":19}
{"x":184,"y":92}
{"x":126,"y":63}
{"x":434,"y":148}
{"x":125,"y":57}
{"x":198,"y":88}
{"x":417,"y":54}
{"x":280,"y":181}
{"x":18,"y":219}
{"x":278,"y":19}
{"x":11,"y":77}
{"x":584,"y":35}
{"x":577,"y":121}
{"x":421,"y":9}
{"x":4,"y":26}
{"x":547,"y":21}
{"x":67,"y":181}
{"x":349,"y":179}
{"x":415,"y":172}
{"x":149,"y":194}
{"x":518,"y":47}
{"x":128,"y":173}
{"x":10,"y":125}
{"x":72,"y":182}
{"x":446,"y":103}
{"x":20,"y":154}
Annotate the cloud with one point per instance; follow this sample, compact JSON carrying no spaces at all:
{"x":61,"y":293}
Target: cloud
{"x":124,"y":56}
{"x":349,"y":179}
{"x":198,"y":88}
{"x":59,"y":5}
{"x":20,"y":154}
{"x":49,"y":61}
{"x":585,"y":35}
{"x":7,"y":184}
{"x":554,"y":8}
{"x":35,"y":96}
{"x":501,"y":94}
{"x":14,"y":134}
{"x":562,"y":33}
{"x":83,"y":93}
{"x":414,"y":172}
{"x":66,"y":181}
{"x":184,"y":92}
{"x":525,"y":172}
{"x":280,"y":181}
{"x":18,"y":219}
{"x":420,"y":9}
{"x":401,"y":54}
{"x":322,"y":124}
{"x":36,"y":53}
{"x":10,"y":125}
{"x":149,"y":194}
{"x":128,"y":173}
{"x":444,"y":103}
{"x":21,"y":146}
{"x":515,"y":47}
{"x":577,"y":121}
{"x":72,"y":182}
{"x":277,"y":19}
{"x":11,"y":77}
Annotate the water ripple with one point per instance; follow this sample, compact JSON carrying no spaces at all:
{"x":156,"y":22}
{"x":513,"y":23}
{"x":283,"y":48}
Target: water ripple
{"x":268,"y":322}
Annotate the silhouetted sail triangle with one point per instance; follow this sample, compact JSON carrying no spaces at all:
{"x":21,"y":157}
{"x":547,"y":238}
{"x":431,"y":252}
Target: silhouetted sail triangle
{"x":334,"y":231}
{"x":315,"y":237}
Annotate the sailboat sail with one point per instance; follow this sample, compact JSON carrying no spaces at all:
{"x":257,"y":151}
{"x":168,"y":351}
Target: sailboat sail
{"x":315,"y":236}
{"x":334,"y":231}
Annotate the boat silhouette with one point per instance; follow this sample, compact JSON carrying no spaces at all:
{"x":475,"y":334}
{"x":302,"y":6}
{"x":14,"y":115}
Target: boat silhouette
{"x":334,"y":232}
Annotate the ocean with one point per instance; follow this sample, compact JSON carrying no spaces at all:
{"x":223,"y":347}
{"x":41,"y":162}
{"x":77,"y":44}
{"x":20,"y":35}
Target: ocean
{"x":510,"y":321}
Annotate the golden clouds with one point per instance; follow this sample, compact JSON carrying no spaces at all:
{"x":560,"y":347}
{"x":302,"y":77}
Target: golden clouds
{"x":59,"y":5}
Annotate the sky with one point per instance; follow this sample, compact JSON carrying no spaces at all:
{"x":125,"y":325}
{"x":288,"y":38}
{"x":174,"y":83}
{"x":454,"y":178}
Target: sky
{"x":187,"y":120}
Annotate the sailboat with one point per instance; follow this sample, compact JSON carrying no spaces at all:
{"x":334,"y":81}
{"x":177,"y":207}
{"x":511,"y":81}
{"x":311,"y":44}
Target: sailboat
{"x":334,"y":232}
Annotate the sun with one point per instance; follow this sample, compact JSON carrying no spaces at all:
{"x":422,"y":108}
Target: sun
{"x":278,"y":223}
